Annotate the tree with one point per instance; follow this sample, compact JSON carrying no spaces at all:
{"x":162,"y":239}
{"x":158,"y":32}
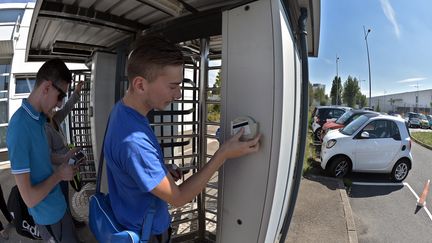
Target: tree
{"x":214,"y":109}
{"x":336,"y":91}
{"x":350,"y":91}
{"x":361,"y":100}
{"x":319,"y":96}
{"x":311,"y":93}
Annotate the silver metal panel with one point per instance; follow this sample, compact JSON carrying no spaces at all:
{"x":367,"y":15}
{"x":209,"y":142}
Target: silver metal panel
{"x":104,"y":5}
{"x":248,"y":90}
{"x":6,"y":32}
{"x":102,"y":89}
{"x":287,"y":113}
{"x":6,"y":49}
{"x":124,"y":7}
{"x":86,"y":3}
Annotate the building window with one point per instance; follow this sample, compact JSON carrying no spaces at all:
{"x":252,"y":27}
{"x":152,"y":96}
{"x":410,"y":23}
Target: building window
{"x":4,"y":111}
{"x":24,"y":85}
{"x":3,"y":137}
{"x":10,"y":15}
{"x":4,"y":77}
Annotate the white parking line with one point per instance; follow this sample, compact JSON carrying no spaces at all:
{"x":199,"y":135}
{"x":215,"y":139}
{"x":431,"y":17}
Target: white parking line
{"x":376,"y":184}
{"x":417,"y":197}
{"x":395,"y":184}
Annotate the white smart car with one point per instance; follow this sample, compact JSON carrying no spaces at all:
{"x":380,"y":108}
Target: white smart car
{"x":371,"y":143}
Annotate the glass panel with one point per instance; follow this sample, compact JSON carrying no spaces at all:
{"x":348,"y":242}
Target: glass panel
{"x":10,"y":15}
{"x":4,"y":76}
{"x":3,"y":137}
{"x":24,"y":85}
{"x":3,"y":112}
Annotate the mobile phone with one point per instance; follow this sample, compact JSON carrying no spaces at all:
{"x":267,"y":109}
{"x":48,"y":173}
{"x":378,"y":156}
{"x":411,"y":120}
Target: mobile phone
{"x":77,"y":157}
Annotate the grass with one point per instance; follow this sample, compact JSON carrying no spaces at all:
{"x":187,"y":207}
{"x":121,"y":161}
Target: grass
{"x":308,"y":157}
{"x":424,"y":137}
{"x":309,"y":149}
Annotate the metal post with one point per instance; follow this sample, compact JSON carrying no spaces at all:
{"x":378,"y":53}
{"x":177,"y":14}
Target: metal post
{"x":367,"y":49}
{"x":202,"y":150}
{"x":337,"y":80}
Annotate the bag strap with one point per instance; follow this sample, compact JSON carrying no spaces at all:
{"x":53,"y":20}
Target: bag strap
{"x":148,"y":219}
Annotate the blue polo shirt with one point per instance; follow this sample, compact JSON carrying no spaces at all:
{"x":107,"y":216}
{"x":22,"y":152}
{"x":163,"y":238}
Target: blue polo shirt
{"x":29,"y":153}
{"x":135,"y":166}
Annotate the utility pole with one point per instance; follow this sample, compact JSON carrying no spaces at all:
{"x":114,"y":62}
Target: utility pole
{"x":366,"y":34}
{"x":337,"y":80}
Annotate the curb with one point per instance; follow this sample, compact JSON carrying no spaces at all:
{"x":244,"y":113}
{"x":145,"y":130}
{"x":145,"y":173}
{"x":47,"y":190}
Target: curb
{"x":422,"y":144}
{"x":352,"y":231}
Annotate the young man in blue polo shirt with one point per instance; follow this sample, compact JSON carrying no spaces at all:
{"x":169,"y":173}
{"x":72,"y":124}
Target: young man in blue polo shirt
{"x":135,"y":164}
{"x":30,"y":158}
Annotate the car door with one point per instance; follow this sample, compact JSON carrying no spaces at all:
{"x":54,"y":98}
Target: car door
{"x":377,"y":153}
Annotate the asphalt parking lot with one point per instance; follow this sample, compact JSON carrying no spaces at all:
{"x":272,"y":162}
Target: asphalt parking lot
{"x":388,"y":212}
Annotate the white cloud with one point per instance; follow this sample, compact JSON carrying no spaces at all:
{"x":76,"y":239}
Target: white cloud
{"x":328,"y":61}
{"x":409,"y":80}
{"x":391,"y":16}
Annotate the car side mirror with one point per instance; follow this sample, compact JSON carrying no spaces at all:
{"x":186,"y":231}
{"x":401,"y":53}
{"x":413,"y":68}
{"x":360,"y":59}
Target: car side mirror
{"x":364,"y":135}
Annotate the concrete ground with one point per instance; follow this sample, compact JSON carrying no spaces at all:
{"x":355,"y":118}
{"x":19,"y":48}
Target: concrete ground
{"x":322,"y":212}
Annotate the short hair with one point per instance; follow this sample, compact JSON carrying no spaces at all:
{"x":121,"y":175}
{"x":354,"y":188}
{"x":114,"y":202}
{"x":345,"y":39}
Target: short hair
{"x":54,"y":70}
{"x":150,"y":54}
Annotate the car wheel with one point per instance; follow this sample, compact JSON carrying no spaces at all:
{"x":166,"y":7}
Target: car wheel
{"x":318,"y":133}
{"x":400,"y":170}
{"x":339,"y":167}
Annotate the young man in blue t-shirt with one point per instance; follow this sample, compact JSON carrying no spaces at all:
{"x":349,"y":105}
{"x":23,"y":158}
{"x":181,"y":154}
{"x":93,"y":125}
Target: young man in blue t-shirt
{"x":135,"y":164}
{"x":30,"y":154}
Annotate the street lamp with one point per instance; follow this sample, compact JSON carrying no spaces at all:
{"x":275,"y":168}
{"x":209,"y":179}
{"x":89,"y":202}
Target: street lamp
{"x":367,"y":49}
{"x":337,"y":80}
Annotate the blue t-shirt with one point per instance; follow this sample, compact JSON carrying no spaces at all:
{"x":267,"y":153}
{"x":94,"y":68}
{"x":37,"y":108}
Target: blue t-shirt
{"x":135,"y":166}
{"x":29,"y":153}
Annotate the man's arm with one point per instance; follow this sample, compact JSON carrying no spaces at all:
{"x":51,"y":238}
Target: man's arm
{"x":61,"y":114}
{"x":34,"y":194}
{"x":177,"y":196}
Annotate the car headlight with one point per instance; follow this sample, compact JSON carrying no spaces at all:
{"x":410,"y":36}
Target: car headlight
{"x":330,"y":143}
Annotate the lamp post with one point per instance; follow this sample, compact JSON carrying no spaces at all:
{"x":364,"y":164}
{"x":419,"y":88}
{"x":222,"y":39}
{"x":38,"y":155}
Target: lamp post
{"x":337,"y":79}
{"x":366,"y":34}
{"x":417,"y":98}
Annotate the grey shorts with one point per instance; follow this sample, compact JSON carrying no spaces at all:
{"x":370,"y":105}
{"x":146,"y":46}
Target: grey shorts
{"x":62,"y":231}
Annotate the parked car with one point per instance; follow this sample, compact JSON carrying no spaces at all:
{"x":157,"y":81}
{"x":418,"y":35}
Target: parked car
{"x":371,"y":143}
{"x":412,"y":119}
{"x":424,"y":123}
{"x":342,"y":121}
{"x":429,"y":117}
{"x":322,"y":114}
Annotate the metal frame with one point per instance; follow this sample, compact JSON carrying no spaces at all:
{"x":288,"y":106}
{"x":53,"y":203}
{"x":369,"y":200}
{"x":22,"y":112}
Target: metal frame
{"x":79,"y":126}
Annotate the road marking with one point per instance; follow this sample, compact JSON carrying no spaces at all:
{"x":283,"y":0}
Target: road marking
{"x":377,"y":184}
{"x":394,"y":184}
{"x":417,"y":197}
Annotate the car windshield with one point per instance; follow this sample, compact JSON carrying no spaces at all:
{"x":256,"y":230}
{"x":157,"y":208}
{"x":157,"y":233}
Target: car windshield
{"x":413,"y":115}
{"x":341,"y":120}
{"x":423,"y":117}
{"x":354,"y":125}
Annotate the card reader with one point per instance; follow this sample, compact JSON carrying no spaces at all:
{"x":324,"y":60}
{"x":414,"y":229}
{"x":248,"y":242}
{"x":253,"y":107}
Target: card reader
{"x":249,"y":125}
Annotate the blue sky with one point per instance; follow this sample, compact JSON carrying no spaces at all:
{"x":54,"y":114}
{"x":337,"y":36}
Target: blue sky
{"x":399,"y":44}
